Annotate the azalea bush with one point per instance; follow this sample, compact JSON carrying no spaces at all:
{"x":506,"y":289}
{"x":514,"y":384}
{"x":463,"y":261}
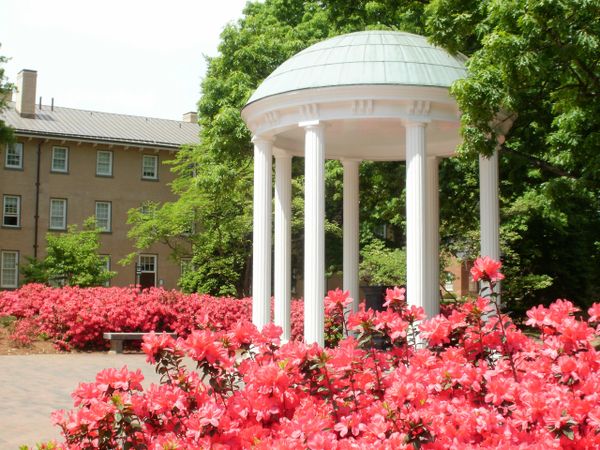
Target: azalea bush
{"x":76,"y":318}
{"x":470,"y":380}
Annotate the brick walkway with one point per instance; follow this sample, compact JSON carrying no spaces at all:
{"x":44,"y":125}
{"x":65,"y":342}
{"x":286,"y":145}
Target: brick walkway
{"x":33,"y":386}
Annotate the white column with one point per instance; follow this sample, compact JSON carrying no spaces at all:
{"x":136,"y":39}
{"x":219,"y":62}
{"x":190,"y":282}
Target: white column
{"x":489,"y":208}
{"x":351,"y":229}
{"x":261,"y":250}
{"x":314,"y":233}
{"x":432,"y":303}
{"x":416,"y":213}
{"x":283,"y":242}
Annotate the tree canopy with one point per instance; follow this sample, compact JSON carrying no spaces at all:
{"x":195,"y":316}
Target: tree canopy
{"x":536,"y":60}
{"x":6,"y":134}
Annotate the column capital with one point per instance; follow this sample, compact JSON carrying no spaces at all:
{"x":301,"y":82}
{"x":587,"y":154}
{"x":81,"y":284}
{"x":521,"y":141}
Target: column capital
{"x":280,"y":153}
{"x":262,"y":139}
{"x":346,"y":161}
{"x":308,"y":124}
{"x":415,"y":123}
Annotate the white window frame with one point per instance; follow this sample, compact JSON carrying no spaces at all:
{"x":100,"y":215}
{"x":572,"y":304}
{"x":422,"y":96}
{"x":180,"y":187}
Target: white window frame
{"x":186,"y":265}
{"x":4,"y":270}
{"x":110,"y":163}
{"x":64,"y":169}
{"x":150,"y":256}
{"x":190,"y":230}
{"x":153,"y":158}
{"x":148,"y":209}
{"x":107,"y":267}
{"x":108,"y":227}
{"x":155,"y":264}
{"x":64,"y":216}
{"x":17,"y":215}
{"x":11,"y":147}
{"x":449,"y":285}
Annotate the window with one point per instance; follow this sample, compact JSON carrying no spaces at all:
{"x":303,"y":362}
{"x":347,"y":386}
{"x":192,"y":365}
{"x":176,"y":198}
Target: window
{"x":147,"y":271}
{"x":381,"y":231}
{"x":148,"y":263}
{"x":186,"y":266}
{"x":106,"y":259}
{"x":150,"y":167}
{"x":449,"y":286}
{"x":103,"y":215}
{"x":11,"y":216}
{"x":14,"y":156}
{"x":58,"y":214}
{"x":190,"y":229}
{"x":9,"y":272}
{"x":60,"y":159}
{"x":147,"y":208}
{"x":104,"y":163}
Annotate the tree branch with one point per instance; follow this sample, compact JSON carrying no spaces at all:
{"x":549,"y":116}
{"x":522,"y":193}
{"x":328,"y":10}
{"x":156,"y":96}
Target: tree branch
{"x":544,"y":165}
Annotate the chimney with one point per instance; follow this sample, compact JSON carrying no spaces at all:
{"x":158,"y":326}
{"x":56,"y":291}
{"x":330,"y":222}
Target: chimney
{"x":190,"y":117}
{"x":26,"y":83}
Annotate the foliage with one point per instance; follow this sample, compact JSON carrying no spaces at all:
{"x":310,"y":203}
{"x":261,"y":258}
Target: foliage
{"x":204,"y":223}
{"x":6,"y":134}
{"x":536,"y":57}
{"x":381,"y":266}
{"x":480,"y":383}
{"x":537,"y":61}
{"x":72,"y":259}
{"x":214,"y":180}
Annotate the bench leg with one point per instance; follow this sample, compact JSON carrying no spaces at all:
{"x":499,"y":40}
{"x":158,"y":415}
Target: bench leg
{"x":116,"y":346}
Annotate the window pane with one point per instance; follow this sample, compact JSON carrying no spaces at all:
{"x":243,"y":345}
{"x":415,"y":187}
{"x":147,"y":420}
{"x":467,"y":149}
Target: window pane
{"x":104,"y":163}
{"x":186,"y":266}
{"x":58,"y":210}
{"x":59,"y":159}
{"x":149,"y":166}
{"x":9,"y":273}
{"x":11,"y":211}
{"x":103,"y":215}
{"x":14,"y":155}
{"x":106,"y":259}
{"x":147,"y":263}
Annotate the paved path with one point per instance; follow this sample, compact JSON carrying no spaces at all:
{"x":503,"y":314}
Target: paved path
{"x":33,"y":386}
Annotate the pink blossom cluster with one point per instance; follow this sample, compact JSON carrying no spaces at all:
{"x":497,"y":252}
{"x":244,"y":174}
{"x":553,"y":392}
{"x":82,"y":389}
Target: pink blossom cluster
{"x":470,"y":380}
{"x":76,"y":318}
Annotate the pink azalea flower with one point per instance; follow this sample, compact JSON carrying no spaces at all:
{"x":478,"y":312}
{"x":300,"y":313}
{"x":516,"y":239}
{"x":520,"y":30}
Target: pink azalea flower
{"x":486,"y":269}
{"x":395,"y":297}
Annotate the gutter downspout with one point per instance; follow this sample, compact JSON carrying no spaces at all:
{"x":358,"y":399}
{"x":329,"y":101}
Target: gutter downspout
{"x":37,"y":201}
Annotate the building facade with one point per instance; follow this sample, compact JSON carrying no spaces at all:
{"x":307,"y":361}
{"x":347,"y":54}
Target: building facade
{"x":67,"y":165}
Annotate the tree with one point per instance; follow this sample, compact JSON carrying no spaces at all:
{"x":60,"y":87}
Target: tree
{"x":6,"y":88}
{"x":537,"y":57}
{"x":214,"y":180}
{"x":72,"y":259}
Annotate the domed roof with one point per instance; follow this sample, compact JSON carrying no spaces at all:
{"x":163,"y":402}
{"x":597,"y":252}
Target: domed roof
{"x":362,"y":58}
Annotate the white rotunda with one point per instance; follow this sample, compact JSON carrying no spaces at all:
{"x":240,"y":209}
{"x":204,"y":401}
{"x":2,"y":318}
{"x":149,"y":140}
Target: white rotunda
{"x":372,"y":95}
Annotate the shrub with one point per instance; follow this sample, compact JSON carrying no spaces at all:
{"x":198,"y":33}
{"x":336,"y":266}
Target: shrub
{"x":381,"y":266}
{"x":479,"y":383}
{"x":76,"y":318}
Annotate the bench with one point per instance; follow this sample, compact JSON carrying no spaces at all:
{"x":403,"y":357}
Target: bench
{"x":116,"y":339}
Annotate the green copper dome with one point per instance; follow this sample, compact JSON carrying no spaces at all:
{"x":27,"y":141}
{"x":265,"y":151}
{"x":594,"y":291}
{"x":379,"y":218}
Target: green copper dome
{"x":366,"y":57}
